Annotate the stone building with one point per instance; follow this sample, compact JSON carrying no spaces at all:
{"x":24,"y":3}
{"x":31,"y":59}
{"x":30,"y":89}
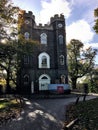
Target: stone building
{"x":48,"y":62}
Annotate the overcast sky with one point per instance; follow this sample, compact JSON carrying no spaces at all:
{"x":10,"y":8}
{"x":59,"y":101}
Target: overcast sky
{"x":79,"y":15}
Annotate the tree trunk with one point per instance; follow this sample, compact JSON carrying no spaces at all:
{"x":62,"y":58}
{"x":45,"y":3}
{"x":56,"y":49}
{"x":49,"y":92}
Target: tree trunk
{"x":8,"y":89}
{"x":8,"y":78}
{"x":74,"y":80}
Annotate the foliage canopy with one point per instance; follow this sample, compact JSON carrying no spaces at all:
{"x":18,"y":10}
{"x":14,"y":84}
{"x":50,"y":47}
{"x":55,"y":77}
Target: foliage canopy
{"x":96,"y":20}
{"x":80,"y":61}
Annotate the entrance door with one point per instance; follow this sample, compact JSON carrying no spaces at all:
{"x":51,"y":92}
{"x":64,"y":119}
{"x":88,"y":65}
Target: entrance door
{"x":44,"y":80}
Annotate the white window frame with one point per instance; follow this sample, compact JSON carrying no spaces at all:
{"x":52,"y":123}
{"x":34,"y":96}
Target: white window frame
{"x":43,"y":38}
{"x":63,"y":79}
{"x":61,"y":41}
{"x":40,"y":58}
{"x":61,"y":59}
{"x":44,"y":62}
{"x":26,"y":35}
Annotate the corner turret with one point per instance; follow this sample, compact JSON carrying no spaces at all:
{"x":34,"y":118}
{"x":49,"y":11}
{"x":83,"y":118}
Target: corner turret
{"x":57,"y":18}
{"x":27,"y":16}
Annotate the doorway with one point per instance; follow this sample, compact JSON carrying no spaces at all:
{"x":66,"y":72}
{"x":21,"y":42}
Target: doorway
{"x":44,"y":80}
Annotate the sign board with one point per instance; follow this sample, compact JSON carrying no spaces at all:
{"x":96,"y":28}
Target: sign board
{"x":59,"y":88}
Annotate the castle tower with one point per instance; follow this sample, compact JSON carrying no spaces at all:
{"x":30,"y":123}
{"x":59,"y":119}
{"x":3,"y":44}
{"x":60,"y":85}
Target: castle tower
{"x":47,"y":63}
{"x":28,"y":22}
{"x":58,"y":23}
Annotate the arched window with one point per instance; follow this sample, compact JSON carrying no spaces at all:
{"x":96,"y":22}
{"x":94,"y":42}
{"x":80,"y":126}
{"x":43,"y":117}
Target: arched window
{"x":26,"y":79}
{"x":44,"y":60}
{"x":43,"y":38}
{"x":61,"y":59}
{"x":27,"y":35}
{"x":60,"y":39}
{"x":63,"y":79}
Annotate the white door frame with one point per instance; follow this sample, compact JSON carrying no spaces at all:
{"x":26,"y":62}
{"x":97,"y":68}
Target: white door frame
{"x":32,"y":87}
{"x":44,"y":80}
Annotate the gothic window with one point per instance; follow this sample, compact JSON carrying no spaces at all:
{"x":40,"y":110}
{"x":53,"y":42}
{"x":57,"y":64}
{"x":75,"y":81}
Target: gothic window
{"x":60,"y":39}
{"x":63,"y":79}
{"x":26,"y":59}
{"x":26,"y":79}
{"x":61,"y":59}
{"x":43,"y":38}
{"x":27,"y":35}
{"x":44,"y":60}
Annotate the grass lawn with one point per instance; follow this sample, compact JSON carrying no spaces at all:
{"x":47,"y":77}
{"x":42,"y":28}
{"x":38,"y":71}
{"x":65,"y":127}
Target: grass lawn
{"x":9,"y":109}
{"x":87,"y":112}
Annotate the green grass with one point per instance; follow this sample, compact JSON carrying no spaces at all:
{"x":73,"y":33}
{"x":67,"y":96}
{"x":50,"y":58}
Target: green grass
{"x":9,"y":109}
{"x":87,"y":112}
{"x":8,"y":103}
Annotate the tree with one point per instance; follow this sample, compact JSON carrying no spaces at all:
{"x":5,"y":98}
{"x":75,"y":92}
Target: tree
{"x":94,"y":81}
{"x":96,"y":20}
{"x":8,"y":32}
{"x":8,"y":55}
{"x":12,"y":47}
{"x":8,"y":19}
{"x":80,"y":62}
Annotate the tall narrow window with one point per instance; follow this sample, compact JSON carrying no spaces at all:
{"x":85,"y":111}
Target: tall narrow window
{"x":61,"y":58}
{"x":43,"y":38}
{"x":60,"y":39}
{"x":26,"y":59}
{"x":44,"y":61}
{"x":63,"y":79}
{"x":26,"y":35}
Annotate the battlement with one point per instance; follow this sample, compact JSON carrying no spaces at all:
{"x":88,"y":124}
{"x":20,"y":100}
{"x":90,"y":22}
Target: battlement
{"x":45,"y":26}
{"x":28,"y":14}
{"x":57,"y":17}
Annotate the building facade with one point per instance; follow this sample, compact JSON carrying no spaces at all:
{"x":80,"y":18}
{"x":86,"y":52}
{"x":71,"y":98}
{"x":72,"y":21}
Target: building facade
{"x":48,"y":62}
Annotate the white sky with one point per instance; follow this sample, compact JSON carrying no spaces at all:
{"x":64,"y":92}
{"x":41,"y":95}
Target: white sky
{"x":79,"y":30}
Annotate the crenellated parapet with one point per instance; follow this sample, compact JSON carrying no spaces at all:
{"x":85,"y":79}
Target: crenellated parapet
{"x":57,"y":17}
{"x":45,"y":26}
{"x":28,"y":20}
{"x":28,"y":14}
